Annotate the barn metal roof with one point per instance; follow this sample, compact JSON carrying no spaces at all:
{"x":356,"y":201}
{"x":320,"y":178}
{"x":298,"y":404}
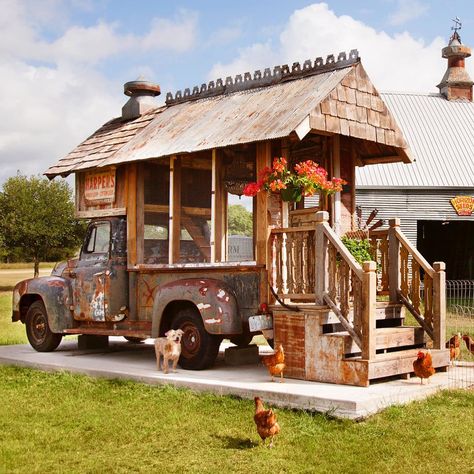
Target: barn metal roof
{"x":335,"y":97}
{"x":440,"y":134}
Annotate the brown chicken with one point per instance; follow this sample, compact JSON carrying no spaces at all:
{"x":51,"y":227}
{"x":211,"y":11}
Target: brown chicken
{"x":454,"y":346}
{"x":267,"y":426}
{"x":275,"y":363}
{"x":469,"y":343}
{"x":423,"y":366}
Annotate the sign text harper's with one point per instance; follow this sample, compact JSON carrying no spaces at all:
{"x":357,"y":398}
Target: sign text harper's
{"x":100,"y":187}
{"x":463,"y":205}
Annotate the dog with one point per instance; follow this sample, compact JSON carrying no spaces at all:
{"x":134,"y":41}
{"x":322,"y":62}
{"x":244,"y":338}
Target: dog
{"x":170,"y":347}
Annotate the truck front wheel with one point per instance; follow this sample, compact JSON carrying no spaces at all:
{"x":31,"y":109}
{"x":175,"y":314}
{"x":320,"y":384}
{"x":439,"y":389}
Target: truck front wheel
{"x":199,"y":349}
{"x":40,"y":336}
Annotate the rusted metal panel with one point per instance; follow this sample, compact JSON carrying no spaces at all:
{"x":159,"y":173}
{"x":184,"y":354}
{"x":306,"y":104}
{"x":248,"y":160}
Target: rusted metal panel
{"x":241,"y":117}
{"x":215,"y":301}
{"x":56,"y":294}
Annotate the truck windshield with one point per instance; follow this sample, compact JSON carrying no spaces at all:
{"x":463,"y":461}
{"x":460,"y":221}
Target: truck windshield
{"x":98,"y":240}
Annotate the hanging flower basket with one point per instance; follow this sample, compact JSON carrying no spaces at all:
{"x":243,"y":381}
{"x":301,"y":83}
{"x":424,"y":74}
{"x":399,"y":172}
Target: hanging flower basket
{"x":291,"y":194}
{"x":306,"y":179}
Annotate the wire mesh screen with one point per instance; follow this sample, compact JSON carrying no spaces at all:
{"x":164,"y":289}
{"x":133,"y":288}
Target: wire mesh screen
{"x":460,"y":331}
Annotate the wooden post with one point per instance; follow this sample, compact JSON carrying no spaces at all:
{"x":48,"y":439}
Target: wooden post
{"x":174,"y":229}
{"x":140,"y":213}
{"x":218,"y":212}
{"x":369,"y":296}
{"x":336,"y":171}
{"x":132,"y":214}
{"x":321,"y":253}
{"x":393,"y":260}
{"x":263,"y":159}
{"x":439,"y":305}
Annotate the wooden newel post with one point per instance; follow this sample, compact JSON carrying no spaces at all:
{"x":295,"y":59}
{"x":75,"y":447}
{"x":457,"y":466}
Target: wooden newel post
{"x":393,"y":260}
{"x":369,"y":295}
{"x":439,"y":305}
{"x":321,"y":252}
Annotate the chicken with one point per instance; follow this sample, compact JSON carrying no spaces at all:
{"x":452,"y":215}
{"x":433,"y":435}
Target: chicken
{"x":275,"y":363}
{"x":267,"y":426}
{"x":454,"y":346}
{"x":469,"y":343}
{"x":423,"y":366}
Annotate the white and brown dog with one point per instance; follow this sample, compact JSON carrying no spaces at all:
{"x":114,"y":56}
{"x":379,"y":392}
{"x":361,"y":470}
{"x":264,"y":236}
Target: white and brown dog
{"x":170,"y":347}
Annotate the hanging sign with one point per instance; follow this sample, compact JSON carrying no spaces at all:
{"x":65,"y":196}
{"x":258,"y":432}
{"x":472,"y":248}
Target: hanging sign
{"x":463,"y":205}
{"x":100,"y":187}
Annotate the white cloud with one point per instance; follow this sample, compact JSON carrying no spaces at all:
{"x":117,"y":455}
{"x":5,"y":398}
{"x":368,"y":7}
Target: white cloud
{"x":398,"y":62}
{"x":53,"y":93}
{"x":408,"y":10}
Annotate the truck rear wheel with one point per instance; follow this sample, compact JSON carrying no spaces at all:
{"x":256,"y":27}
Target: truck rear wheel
{"x":199,"y":349}
{"x":40,"y":336}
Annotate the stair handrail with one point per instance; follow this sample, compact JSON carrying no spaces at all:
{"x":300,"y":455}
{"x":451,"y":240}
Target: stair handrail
{"x":362,"y":328}
{"x":405,"y":288}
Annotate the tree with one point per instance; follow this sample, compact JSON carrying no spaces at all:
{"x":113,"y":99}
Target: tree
{"x":38,"y":216}
{"x":240,"y":221}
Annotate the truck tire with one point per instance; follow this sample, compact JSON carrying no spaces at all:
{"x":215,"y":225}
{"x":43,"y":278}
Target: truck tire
{"x":40,"y":336}
{"x":199,"y":349}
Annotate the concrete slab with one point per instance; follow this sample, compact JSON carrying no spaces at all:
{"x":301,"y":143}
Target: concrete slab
{"x":137,"y":362}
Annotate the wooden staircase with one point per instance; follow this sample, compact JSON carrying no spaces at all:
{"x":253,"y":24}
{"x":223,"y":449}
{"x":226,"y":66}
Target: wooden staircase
{"x":335,"y":328}
{"x":331,"y":354}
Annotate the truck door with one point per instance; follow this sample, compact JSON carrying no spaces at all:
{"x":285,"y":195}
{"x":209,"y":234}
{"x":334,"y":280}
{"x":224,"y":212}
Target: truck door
{"x":91,"y":276}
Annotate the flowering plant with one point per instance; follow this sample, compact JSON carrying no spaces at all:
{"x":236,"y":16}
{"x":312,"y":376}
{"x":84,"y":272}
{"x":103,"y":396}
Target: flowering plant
{"x":306,"y":179}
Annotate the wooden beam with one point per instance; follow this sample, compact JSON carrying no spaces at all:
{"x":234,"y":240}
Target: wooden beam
{"x":190,"y":211}
{"x":218,"y":250}
{"x":263,"y":159}
{"x":118,"y":211}
{"x":174,"y":229}
{"x":336,"y":171}
{"x":132,"y":215}
{"x":140,"y":217}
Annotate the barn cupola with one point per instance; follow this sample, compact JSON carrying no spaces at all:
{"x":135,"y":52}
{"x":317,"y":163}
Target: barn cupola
{"x":142,"y":94}
{"x":456,"y":83}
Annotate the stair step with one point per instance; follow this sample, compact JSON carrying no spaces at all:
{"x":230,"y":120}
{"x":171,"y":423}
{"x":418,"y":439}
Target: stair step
{"x":384,"y":311}
{"x":401,"y":362}
{"x":386,"y":338}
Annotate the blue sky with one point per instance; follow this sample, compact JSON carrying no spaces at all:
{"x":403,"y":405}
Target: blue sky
{"x":63,"y":63}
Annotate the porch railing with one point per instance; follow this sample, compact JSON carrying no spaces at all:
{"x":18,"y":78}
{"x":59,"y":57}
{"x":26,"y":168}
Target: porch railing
{"x":310,"y":263}
{"x":403,"y":272}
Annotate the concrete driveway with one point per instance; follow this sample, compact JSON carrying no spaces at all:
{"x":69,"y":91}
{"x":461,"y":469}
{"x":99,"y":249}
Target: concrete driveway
{"x":137,"y":362}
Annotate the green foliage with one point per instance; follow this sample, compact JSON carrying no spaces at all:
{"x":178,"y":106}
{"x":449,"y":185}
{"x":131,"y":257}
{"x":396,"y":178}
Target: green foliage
{"x":360,"y":249}
{"x":38,"y":218}
{"x":240,"y":221}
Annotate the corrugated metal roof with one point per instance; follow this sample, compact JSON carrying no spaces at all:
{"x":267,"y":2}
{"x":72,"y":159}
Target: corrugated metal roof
{"x":241,"y":117}
{"x":440,"y":134}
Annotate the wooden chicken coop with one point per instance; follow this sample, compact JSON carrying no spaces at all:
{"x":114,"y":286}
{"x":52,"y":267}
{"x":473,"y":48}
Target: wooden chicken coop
{"x":173,"y":170}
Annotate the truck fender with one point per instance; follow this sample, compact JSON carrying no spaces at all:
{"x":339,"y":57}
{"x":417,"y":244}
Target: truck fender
{"x":214,"y":300}
{"x":54,"y":291}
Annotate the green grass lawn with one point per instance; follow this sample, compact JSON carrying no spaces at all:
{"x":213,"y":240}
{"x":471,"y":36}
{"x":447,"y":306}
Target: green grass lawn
{"x":64,"y":423}
{"x":57,"y":422}
{"x":11,"y":274}
{"x":10,"y":333}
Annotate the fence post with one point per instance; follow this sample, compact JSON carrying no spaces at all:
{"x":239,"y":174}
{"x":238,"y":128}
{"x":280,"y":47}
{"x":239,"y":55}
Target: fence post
{"x":321,"y":253}
{"x":369,"y":302}
{"x":439,"y":305}
{"x":393,"y":260}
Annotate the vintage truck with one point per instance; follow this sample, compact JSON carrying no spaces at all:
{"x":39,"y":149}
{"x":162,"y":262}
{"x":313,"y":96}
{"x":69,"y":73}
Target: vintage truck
{"x":91,"y":295}
{"x":157,"y":184}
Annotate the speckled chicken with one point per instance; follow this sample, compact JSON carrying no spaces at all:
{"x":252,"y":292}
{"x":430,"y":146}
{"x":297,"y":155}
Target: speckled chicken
{"x":275,"y":363}
{"x":267,"y":426}
{"x":423,"y":366}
